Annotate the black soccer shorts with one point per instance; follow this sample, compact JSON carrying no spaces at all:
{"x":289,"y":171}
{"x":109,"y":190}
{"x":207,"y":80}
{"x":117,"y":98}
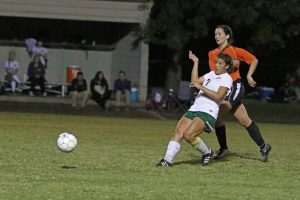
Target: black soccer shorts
{"x":236,"y":94}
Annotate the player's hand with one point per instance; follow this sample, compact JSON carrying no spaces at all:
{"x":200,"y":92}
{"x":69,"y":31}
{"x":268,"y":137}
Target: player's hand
{"x":196,"y":85}
{"x":251,"y":82}
{"x":193,"y":57}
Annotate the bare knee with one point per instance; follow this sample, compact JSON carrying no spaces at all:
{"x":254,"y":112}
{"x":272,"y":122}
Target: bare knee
{"x":245,"y":122}
{"x":242,"y":116}
{"x":177,"y":135}
{"x":188,"y":136}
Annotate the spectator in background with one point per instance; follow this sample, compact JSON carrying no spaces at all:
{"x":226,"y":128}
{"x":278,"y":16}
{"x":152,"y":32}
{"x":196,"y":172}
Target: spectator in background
{"x":11,"y":67}
{"x":99,"y":89}
{"x":30,"y":45}
{"x":78,"y":90}
{"x":122,"y":88}
{"x":36,"y":74}
{"x":287,"y":92}
{"x":42,"y":52}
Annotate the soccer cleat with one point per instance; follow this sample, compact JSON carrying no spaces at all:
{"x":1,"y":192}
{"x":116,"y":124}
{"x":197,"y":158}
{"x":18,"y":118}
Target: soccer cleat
{"x":207,"y":158}
{"x":265,"y":152}
{"x":164,"y":163}
{"x":221,"y":153}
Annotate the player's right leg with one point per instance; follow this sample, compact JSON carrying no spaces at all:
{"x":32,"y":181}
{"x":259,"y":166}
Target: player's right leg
{"x":174,"y":145}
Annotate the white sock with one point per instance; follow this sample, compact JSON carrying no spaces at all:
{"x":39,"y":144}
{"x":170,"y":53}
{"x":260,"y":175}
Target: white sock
{"x":203,"y":148}
{"x":172,"y":150}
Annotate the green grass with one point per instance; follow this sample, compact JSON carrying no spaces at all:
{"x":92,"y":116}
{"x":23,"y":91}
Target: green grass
{"x":115,"y":159}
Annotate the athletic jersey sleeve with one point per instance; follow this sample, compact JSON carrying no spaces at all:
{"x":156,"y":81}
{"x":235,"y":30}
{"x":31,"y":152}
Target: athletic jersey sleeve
{"x":244,"y":55}
{"x":226,"y":81}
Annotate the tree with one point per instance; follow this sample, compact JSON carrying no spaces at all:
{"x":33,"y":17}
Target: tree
{"x":263,"y":24}
{"x":175,"y":22}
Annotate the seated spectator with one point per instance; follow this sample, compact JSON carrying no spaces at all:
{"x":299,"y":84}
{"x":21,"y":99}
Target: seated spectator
{"x":11,"y":67}
{"x":122,"y":88}
{"x":99,"y":89}
{"x":42,"y":52}
{"x":78,"y":90}
{"x":30,"y":45}
{"x":36,"y":73}
{"x":287,"y":92}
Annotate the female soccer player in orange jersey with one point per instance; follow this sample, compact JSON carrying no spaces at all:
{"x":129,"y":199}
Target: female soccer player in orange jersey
{"x":224,"y":40}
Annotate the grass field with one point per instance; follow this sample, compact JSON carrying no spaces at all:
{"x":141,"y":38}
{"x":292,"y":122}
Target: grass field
{"x":115,"y":159}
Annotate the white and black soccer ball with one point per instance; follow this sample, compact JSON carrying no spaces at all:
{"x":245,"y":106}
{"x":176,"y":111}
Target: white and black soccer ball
{"x":66,"y":142}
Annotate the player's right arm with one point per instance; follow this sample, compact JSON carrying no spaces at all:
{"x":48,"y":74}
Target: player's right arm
{"x":194,"y":74}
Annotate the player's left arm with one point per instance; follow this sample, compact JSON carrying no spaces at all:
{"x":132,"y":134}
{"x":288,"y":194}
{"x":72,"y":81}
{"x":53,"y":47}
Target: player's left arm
{"x":251,"y":71}
{"x":216,"y":96}
{"x":251,"y":60}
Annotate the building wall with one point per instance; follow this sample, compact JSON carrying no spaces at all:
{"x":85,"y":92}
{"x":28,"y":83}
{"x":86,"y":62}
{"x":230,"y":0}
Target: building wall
{"x":127,"y":59}
{"x":133,"y":61}
{"x":109,"y":11}
{"x":59,"y":59}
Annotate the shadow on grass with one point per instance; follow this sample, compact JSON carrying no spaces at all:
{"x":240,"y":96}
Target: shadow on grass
{"x":243,"y":156}
{"x":190,"y":162}
{"x":228,"y":158}
{"x":68,"y":167}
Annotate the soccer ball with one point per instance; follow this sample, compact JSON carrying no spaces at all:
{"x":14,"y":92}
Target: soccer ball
{"x":66,"y":142}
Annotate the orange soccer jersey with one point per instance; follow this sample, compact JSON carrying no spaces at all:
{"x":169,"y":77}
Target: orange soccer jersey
{"x":236,"y":54}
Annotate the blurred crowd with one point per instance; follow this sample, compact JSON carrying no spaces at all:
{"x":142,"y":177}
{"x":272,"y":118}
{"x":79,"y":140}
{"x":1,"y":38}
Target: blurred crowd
{"x":35,"y":80}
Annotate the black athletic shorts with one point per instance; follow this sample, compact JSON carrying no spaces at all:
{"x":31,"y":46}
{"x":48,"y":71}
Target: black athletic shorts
{"x":237,"y":93}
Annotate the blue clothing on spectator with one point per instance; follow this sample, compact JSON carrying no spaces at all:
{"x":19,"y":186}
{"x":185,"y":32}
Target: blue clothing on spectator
{"x":122,"y":85}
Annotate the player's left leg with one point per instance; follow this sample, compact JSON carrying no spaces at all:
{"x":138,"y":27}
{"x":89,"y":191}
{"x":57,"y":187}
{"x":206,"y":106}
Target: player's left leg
{"x":241,"y":115}
{"x":191,"y":136}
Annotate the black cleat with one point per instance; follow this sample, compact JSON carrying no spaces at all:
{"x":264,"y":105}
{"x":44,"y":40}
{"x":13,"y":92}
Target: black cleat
{"x":265,"y":152}
{"x":164,"y":163}
{"x":221,"y":153}
{"x":207,"y":158}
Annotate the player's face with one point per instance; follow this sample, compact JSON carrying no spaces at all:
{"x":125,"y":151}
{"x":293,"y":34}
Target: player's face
{"x":220,"y":36}
{"x":220,"y":66}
